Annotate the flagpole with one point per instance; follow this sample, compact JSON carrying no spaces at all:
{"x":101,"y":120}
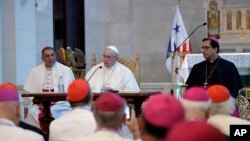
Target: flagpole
{"x":173,"y":73}
{"x":174,"y":46}
{"x":173,"y":67}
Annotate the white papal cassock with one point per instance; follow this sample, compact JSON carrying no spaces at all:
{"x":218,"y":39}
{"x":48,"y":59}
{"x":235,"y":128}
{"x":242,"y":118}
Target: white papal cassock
{"x":34,"y":84}
{"x":118,"y":77}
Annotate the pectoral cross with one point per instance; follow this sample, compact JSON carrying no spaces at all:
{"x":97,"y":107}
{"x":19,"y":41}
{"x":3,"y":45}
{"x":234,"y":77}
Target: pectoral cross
{"x":205,"y":84}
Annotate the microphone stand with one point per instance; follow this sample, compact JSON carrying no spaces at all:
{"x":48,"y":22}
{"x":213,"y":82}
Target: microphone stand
{"x":94,"y":72}
{"x":173,"y":55}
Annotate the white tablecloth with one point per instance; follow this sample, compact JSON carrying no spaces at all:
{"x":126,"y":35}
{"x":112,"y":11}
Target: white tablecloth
{"x":240,"y":60}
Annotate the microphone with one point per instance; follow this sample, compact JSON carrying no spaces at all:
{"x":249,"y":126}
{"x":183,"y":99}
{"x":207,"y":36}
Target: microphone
{"x":191,"y":34}
{"x":94,"y":72}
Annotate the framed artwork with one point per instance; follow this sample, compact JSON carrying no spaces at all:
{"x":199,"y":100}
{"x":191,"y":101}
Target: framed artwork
{"x":213,"y":18}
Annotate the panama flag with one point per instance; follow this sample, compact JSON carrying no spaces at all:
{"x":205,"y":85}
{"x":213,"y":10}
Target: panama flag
{"x":175,"y":52}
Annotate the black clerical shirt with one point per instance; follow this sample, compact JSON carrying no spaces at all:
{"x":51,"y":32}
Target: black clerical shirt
{"x":220,"y":71}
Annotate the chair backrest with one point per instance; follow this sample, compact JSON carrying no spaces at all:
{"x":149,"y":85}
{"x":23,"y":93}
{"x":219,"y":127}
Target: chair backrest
{"x":78,"y":73}
{"x":133,"y":65}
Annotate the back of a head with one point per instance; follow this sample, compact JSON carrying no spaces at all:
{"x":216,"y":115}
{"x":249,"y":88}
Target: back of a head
{"x":195,"y":100}
{"x":194,"y":131}
{"x":109,"y":110}
{"x":222,"y":102}
{"x":161,"y":112}
{"x":78,"y":92}
{"x":9,"y":105}
{"x":8,"y":92}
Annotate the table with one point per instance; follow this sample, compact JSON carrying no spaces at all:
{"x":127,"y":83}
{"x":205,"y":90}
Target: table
{"x":135,"y":98}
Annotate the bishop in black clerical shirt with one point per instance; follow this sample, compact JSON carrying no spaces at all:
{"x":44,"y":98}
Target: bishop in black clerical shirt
{"x":214,"y":70}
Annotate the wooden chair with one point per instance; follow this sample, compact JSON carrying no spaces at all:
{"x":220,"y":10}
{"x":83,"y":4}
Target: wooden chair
{"x":133,"y":65}
{"x":79,"y":73}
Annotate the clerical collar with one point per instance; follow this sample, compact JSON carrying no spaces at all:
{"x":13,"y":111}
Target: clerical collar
{"x":214,"y":60}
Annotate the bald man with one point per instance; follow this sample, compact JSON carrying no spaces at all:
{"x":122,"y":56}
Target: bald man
{"x":110,"y":75}
{"x":10,"y":117}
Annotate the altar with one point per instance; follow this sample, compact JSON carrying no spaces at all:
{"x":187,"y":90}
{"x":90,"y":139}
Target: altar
{"x":240,"y":60}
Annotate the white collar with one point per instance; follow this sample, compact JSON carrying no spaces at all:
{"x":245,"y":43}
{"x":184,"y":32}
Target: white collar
{"x":6,"y":122}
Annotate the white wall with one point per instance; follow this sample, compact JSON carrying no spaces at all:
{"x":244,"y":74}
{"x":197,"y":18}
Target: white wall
{"x":140,"y":26}
{"x":20,"y":45}
{"x":1,"y":46}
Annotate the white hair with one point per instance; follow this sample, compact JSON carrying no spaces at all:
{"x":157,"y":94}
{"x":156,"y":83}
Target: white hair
{"x":225,"y":108}
{"x":195,"y":105}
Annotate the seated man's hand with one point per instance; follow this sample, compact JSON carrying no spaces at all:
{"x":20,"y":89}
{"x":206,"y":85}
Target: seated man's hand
{"x":133,"y":125}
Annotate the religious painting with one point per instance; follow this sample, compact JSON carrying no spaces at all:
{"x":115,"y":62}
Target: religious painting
{"x":213,"y":19}
{"x":238,"y":21}
{"x":229,"y":20}
{"x":248,"y":20}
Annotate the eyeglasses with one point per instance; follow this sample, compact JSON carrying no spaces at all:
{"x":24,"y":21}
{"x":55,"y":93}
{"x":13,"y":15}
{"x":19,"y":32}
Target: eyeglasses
{"x":206,"y":47}
{"x":108,"y":57}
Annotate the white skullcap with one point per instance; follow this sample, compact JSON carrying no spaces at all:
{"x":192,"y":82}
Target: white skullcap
{"x":113,"y":48}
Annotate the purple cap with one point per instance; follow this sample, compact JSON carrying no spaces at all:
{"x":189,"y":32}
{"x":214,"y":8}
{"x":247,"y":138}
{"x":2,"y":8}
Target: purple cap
{"x":163,"y":110}
{"x":214,"y":38}
{"x":8,"y":95}
{"x":109,"y":102}
{"x":194,"y":131}
{"x":196,"y":94}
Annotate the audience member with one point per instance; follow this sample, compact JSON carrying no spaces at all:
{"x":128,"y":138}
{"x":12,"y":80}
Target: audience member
{"x":160,"y":113}
{"x":44,"y":78}
{"x":221,"y":109}
{"x":109,"y":115}
{"x":12,"y":87}
{"x":10,"y":118}
{"x":222,"y":101}
{"x":80,"y":121}
{"x":223,"y":122}
{"x":194,"y":131}
{"x":196,"y":103}
{"x":110,"y":75}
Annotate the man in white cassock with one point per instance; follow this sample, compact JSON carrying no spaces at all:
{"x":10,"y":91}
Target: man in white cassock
{"x":44,"y":78}
{"x":110,"y":74}
{"x":10,"y":118}
{"x":80,"y":121}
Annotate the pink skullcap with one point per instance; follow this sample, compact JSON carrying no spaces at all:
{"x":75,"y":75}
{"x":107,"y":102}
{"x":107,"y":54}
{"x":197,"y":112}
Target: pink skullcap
{"x":218,"y":93}
{"x":109,"y":102}
{"x":163,"y":110}
{"x":47,"y":47}
{"x":8,"y":95}
{"x":196,"y":94}
{"x":194,"y":131}
{"x":214,"y":38}
{"x":114,"y":49}
{"x":78,"y":90}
